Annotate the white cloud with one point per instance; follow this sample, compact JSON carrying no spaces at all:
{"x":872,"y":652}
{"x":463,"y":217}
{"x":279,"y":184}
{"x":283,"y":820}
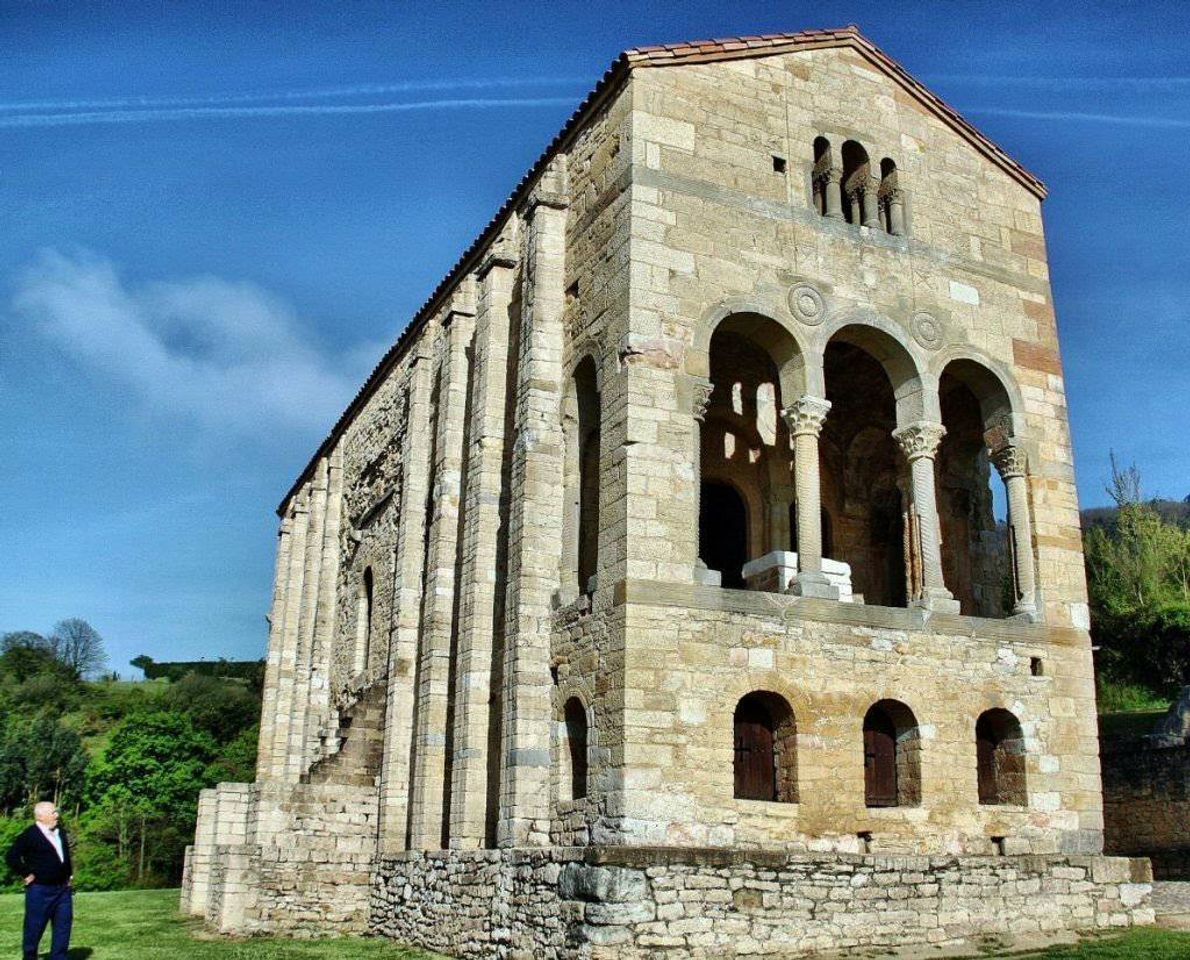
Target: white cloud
{"x":228,"y":356}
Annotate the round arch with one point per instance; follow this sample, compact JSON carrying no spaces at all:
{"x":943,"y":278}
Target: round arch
{"x":999,"y":396}
{"x":889,"y":346}
{"x":765,"y":326}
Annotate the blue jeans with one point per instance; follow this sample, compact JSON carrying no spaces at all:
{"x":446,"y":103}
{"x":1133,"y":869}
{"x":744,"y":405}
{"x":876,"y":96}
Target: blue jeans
{"x":48,"y":904}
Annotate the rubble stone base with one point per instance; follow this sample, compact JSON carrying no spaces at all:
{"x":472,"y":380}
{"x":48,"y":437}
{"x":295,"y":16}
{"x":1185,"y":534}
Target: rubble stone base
{"x":637,"y":902}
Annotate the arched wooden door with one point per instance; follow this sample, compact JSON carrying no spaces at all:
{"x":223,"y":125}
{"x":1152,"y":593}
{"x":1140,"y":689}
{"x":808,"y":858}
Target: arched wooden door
{"x":755,"y":758}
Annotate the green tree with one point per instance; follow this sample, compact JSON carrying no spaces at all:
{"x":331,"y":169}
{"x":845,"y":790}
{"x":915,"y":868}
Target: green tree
{"x":1138,"y":576}
{"x":146,"y":787}
{"x":221,"y":707}
{"x":40,"y":759}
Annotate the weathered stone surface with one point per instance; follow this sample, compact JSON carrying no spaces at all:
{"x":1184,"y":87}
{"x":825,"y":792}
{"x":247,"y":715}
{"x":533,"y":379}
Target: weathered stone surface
{"x":520,"y":698}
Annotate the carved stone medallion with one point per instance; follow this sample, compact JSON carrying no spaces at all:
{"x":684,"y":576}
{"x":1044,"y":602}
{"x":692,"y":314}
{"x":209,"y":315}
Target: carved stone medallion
{"x":928,"y":330}
{"x":807,"y":304}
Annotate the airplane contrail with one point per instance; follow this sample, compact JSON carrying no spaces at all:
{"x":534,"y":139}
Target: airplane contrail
{"x":188,"y":113}
{"x":314,"y":93}
{"x":1168,"y":123}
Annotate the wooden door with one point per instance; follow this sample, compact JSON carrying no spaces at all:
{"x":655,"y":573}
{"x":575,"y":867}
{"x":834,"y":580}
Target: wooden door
{"x":880,"y":760}
{"x":755,"y":760}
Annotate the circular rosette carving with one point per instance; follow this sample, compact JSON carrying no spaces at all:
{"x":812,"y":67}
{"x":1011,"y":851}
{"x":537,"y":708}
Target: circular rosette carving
{"x":807,"y":304}
{"x":928,"y":330}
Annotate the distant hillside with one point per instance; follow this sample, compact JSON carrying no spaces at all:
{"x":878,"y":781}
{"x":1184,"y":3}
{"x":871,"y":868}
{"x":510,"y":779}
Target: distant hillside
{"x":250,"y":670}
{"x":1172,"y":511}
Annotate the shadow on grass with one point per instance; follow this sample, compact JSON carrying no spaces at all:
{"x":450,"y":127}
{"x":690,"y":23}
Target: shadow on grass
{"x":79,"y":953}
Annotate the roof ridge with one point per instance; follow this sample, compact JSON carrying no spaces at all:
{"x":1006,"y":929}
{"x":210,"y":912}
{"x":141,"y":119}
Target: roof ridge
{"x":656,"y":55}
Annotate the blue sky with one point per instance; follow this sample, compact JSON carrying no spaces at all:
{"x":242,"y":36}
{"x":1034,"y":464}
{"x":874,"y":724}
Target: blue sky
{"x":215,"y":218}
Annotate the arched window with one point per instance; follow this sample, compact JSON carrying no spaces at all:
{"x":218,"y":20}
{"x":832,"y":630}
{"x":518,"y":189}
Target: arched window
{"x":870,"y":380}
{"x":745,"y":453}
{"x":573,"y":785}
{"x":765,"y":738}
{"x":1000,"y":753}
{"x":581,"y":481}
{"x":823,"y":167}
{"x":363,"y":635}
{"x":855,"y":185}
{"x":973,"y":516}
{"x":892,"y":761}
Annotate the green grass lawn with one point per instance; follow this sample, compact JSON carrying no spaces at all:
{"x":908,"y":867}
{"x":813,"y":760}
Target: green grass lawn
{"x":144,"y":925}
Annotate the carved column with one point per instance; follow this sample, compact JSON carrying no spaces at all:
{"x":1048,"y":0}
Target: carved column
{"x":1011,"y":463}
{"x":805,"y":417}
{"x":287,"y":662}
{"x":702,"y":388}
{"x":409,"y":563}
{"x":919,"y":442}
{"x":303,"y":661}
{"x":894,"y":201}
{"x":870,"y":194}
{"x":833,"y":187}
{"x":326,"y":618}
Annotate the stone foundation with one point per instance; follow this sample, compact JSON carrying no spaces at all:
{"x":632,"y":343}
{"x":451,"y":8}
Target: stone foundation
{"x":1146,"y":794}
{"x":629,"y":903}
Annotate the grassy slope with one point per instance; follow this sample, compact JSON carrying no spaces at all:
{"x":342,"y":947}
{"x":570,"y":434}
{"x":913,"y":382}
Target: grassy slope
{"x":143,"y":925}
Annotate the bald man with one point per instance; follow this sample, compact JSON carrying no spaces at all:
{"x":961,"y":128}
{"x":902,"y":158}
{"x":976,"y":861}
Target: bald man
{"x":41,"y":856}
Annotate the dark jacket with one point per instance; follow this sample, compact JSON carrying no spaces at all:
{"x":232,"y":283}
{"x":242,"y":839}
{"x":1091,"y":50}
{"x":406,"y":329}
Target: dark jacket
{"x":32,"y":853}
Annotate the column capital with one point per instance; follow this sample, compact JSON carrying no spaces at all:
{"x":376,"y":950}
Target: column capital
{"x":806,"y":415}
{"x":1009,"y":459}
{"x":701,"y":389}
{"x":919,"y":439}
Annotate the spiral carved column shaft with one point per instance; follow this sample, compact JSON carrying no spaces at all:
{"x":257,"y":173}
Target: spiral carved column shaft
{"x":919,"y":442}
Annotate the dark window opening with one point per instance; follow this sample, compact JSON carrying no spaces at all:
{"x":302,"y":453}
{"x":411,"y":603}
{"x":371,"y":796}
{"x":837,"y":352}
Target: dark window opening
{"x":723,"y":532}
{"x":778,"y":164}
{"x":855,"y":181}
{"x":576,"y":747}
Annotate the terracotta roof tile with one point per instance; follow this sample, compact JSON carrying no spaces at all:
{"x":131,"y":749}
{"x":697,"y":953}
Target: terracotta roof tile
{"x":659,"y":56}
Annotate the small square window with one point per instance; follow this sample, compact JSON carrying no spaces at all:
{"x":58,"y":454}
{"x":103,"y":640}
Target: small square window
{"x":1036,"y":666}
{"x":778,"y":164}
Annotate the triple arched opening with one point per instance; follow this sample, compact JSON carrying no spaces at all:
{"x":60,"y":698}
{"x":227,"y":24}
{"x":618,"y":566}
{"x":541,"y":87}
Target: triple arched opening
{"x":867,"y":518}
{"x":847,"y":186}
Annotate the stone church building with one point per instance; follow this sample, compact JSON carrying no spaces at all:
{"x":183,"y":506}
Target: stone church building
{"x":650,"y":595}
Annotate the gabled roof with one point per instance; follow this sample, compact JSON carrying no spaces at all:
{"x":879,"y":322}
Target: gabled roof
{"x":664,"y":55}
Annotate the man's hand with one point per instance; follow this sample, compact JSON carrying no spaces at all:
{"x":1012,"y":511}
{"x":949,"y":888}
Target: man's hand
{"x":29,"y":879}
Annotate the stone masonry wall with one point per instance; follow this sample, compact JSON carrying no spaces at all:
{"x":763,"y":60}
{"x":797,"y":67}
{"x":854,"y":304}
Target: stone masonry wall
{"x":627,"y":903}
{"x":1146,"y":794}
{"x":694,"y":652}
